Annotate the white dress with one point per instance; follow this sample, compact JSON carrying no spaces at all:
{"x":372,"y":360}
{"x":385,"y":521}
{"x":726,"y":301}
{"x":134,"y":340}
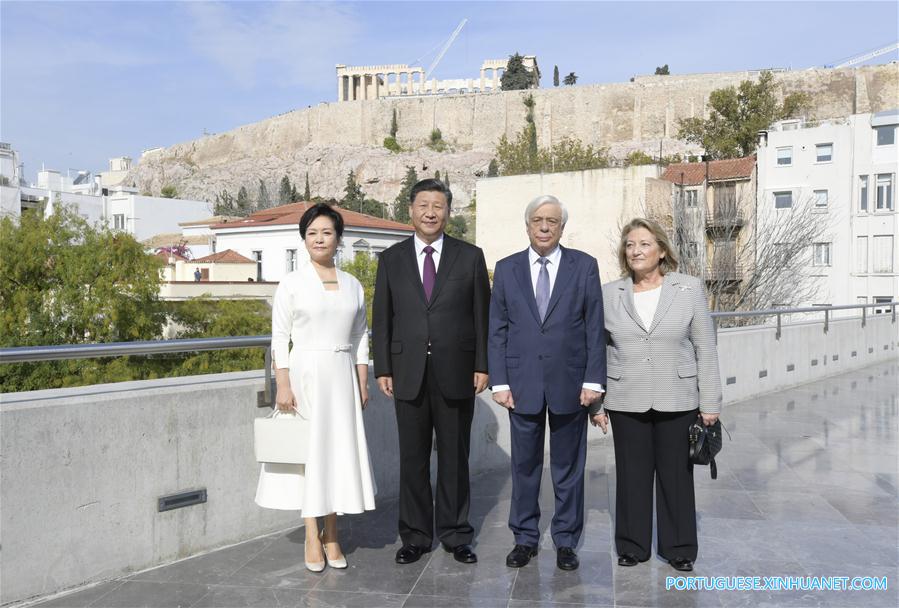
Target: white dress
{"x":329,"y":337}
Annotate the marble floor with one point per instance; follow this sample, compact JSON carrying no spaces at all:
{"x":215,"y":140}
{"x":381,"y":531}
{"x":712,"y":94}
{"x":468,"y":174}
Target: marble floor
{"x":807,"y":486}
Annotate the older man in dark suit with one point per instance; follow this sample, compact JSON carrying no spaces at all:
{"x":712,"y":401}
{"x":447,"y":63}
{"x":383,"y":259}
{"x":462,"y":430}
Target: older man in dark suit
{"x":429,"y":329}
{"x":547,"y":358}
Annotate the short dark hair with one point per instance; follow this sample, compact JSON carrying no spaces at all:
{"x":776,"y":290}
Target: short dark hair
{"x":318,"y":210}
{"x":431,"y":185}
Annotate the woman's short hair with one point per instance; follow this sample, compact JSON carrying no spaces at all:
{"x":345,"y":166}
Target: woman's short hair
{"x":666,"y":264}
{"x":545,"y":199}
{"x":431,"y":185}
{"x":319,"y":210}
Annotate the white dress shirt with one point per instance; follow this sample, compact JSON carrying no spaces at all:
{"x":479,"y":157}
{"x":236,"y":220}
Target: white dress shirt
{"x":420,"y":254}
{"x":552,"y":267}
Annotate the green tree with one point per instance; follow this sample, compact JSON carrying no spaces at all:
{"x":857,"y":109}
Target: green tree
{"x":307,"y":193}
{"x":243,"y":202}
{"x":394,"y":126}
{"x":517,"y":77}
{"x":437,"y":174}
{"x":662,"y":71}
{"x":555,"y":76}
{"x":284,"y":193}
{"x":352,"y":194}
{"x":492,"y":168}
{"x":457,"y":227}
{"x":521,"y":155}
{"x":436,"y":142}
{"x":365,"y":268}
{"x":402,"y":201}
{"x":390,"y":141}
{"x":224,"y":204}
{"x":638,"y":157}
{"x":571,"y":79}
{"x":572,"y":155}
{"x":446,"y":178}
{"x":169,"y":191}
{"x":294,"y":195}
{"x":737,"y":114}
{"x":263,"y":199}
{"x":64,"y":281}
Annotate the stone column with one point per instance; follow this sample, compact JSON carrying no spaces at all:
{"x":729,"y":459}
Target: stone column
{"x":340,"y":88}
{"x":364,"y":80}
{"x":495,"y":78}
{"x":482,"y":80}
{"x":377,"y":78}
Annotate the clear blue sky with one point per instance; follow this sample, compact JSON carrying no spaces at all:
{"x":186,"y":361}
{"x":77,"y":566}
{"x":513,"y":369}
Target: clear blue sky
{"x":81,"y":82}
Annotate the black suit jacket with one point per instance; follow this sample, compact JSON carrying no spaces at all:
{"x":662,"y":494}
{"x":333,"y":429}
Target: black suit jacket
{"x":455,"y":321}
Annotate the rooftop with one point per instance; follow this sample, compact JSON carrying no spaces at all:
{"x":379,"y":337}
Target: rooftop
{"x":291,"y":214}
{"x":693,"y":174}
{"x":228,"y":256}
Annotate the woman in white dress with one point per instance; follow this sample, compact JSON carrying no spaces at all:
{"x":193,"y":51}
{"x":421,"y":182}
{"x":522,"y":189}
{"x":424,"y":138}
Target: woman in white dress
{"x":320,"y":354}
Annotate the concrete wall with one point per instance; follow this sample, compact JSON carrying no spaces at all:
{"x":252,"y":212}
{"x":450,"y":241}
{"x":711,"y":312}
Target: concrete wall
{"x":82,"y":468}
{"x":599,"y":202}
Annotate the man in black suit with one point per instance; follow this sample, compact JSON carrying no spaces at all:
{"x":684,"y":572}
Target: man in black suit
{"x":429,"y":332}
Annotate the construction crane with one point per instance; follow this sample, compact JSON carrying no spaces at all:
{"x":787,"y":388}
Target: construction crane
{"x":867,"y":56}
{"x":445,"y":48}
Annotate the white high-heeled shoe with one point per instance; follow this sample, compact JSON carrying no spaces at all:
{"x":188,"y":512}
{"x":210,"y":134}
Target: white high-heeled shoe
{"x":339,"y":563}
{"x":314,"y":566}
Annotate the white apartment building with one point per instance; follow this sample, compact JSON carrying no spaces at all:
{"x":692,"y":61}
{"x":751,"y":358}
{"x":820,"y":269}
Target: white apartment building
{"x":271,"y":238}
{"x":846,"y":170}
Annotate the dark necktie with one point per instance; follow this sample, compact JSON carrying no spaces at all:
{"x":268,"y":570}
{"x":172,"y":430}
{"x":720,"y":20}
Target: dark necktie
{"x":429,"y":272}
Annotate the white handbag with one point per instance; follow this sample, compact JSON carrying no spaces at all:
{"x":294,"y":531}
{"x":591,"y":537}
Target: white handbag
{"x":281,"y":437}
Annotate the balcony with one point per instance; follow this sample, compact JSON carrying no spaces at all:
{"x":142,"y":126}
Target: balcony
{"x":724,"y":221}
{"x":724,"y":273}
{"x":810,"y":407}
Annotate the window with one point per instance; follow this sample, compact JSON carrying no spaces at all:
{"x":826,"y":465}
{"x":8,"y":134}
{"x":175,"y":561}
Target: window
{"x":884,"y":201}
{"x":118,"y":221}
{"x":882,"y":253}
{"x":886,"y":135}
{"x":291,"y":260}
{"x":821,"y":254}
{"x":823,"y":153}
{"x":863,"y":193}
{"x":861,"y":254}
{"x":861,"y":300}
{"x":257,"y":255}
{"x":783,"y":200}
{"x":882,"y":310}
{"x":690,"y":198}
{"x":785,"y":156}
{"x":821,"y":199}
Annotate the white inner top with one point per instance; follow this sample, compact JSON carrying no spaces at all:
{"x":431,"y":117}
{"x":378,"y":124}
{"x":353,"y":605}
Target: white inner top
{"x":646,"y":303}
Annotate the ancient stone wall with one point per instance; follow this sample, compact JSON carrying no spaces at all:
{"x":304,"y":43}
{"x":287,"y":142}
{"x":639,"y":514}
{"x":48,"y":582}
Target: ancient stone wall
{"x":330,"y":139}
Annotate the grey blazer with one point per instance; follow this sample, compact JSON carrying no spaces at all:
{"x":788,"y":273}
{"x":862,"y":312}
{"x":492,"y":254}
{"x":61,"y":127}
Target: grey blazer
{"x":671,"y":366}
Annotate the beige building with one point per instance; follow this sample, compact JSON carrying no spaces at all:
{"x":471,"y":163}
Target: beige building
{"x":709,"y":210}
{"x":599,"y":202}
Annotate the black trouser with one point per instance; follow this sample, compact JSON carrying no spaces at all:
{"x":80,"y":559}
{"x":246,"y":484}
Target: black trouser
{"x":450,"y":420}
{"x":654,"y":445}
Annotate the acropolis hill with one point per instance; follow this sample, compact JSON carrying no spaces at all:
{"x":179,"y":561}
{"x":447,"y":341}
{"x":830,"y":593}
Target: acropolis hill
{"x":330,"y":139}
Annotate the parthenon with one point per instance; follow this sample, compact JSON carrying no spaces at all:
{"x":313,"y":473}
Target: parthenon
{"x":355,"y":83}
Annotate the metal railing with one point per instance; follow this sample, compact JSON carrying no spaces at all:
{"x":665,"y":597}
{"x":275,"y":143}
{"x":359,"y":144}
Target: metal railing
{"x":28,"y":354}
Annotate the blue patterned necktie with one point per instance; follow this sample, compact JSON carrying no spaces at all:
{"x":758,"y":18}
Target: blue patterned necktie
{"x":542,"y":288}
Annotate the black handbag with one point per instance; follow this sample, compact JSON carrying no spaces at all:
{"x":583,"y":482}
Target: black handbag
{"x":705,"y":443}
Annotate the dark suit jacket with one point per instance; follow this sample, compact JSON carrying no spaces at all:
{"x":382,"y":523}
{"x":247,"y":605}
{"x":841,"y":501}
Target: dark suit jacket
{"x":455,"y":321}
{"x":549,"y":361}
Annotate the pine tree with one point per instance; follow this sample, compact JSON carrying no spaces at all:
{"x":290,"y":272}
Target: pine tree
{"x":263,"y":200}
{"x":243,"y":202}
{"x":571,"y":79}
{"x":402,"y":201}
{"x":492,"y":168}
{"x":284,"y":192}
{"x":224,"y":203}
{"x":446,"y":178}
{"x":556,"y":76}
{"x":352,"y":194}
{"x":516,"y":76}
{"x":307,"y":194}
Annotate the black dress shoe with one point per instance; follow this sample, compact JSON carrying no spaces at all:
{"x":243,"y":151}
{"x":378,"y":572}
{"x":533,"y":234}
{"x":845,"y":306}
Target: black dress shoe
{"x":626,"y":559}
{"x":566,"y":559}
{"x":681,"y":563}
{"x":409,"y":554}
{"x":462,"y":554}
{"x":520,"y":556}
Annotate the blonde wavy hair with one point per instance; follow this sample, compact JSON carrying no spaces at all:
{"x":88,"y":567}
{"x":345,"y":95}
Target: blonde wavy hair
{"x":666,"y":264}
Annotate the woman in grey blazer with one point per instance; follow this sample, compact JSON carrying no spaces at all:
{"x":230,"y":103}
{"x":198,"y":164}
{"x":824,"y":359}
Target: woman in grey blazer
{"x":662,"y":375}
